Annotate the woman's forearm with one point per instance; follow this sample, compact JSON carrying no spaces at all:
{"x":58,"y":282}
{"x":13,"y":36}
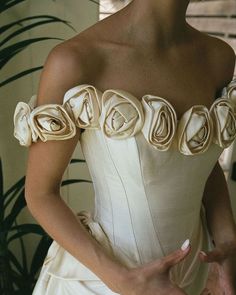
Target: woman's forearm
{"x":61,"y":224}
{"x":217,"y":203}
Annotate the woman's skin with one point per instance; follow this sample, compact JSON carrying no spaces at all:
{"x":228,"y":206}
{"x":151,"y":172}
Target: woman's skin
{"x":146,"y":47}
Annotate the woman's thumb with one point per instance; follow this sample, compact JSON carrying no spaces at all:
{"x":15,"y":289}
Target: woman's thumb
{"x":176,"y":256}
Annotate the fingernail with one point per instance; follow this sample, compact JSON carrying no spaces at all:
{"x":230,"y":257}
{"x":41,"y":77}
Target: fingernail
{"x":185,"y":245}
{"x":203,"y":253}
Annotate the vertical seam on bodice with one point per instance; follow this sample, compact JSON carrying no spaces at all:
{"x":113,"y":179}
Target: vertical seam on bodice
{"x":141,"y":171}
{"x":105,"y":141}
{"x":108,"y":189}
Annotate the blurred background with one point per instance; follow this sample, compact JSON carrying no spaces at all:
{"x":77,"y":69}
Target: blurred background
{"x":29,"y":30}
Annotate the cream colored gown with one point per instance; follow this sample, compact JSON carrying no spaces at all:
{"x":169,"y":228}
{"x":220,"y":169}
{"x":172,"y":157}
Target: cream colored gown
{"x":149,"y":169}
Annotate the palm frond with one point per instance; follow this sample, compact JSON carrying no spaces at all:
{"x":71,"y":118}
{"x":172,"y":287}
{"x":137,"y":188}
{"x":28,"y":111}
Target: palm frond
{"x":19,"y":75}
{"x":43,"y":19}
{"x":7,"y":53}
{"x":6,"y":4}
{"x":72,"y":181}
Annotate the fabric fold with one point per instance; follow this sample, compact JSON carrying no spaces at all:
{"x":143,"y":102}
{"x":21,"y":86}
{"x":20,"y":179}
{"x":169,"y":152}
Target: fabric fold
{"x":83,"y":104}
{"x":224,"y":119}
{"x":160,"y":122}
{"x":122,"y":114}
{"x":195,"y":131}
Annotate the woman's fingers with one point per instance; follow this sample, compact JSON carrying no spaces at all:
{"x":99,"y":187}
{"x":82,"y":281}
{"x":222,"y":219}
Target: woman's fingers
{"x":215,"y":255}
{"x":164,"y":264}
{"x":175,"y":257}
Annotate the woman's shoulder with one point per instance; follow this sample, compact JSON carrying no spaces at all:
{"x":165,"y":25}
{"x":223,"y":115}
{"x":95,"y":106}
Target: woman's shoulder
{"x":222,"y":59}
{"x":67,"y":64}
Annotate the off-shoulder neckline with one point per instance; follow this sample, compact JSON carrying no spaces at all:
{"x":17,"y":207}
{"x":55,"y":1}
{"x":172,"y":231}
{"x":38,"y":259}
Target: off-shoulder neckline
{"x":129,"y":94}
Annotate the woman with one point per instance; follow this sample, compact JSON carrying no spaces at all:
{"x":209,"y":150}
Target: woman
{"x":145,"y":94}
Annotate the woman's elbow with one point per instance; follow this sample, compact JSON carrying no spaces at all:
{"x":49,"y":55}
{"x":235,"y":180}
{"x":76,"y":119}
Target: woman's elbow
{"x":36,"y":196}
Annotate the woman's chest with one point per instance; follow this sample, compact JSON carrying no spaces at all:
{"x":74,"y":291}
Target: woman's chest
{"x":183,"y":80}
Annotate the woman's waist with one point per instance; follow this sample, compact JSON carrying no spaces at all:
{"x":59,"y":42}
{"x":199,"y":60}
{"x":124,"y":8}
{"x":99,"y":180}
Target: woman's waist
{"x":139,"y":244}
{"x":145,"y":234}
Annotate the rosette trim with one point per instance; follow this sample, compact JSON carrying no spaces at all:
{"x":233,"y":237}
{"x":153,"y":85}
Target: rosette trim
{"x":120,"y":115}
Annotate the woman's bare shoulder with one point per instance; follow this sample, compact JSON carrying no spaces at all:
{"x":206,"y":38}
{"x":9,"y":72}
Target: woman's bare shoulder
{"x":222,"y":59}
{"x":67,"y":64}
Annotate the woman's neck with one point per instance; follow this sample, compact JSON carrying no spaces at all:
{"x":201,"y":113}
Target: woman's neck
{"x":152,"y":21}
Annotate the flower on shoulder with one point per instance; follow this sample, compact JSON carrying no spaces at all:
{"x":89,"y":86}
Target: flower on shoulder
{"x":51,"y":122}
{"x":22,"y":129}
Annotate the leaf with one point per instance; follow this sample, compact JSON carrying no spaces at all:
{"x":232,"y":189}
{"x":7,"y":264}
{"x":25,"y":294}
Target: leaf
{"x":72,"y":161}
{"x":1,"y":178}
{"x":72,"y":181}
{"x":40,"y":254}
{"x":10,"y":51}
{"x":14,"y":261}
{"x":23,"y":251}
{"x":1,"y":193}
{"x":19,"y":204}
{"x":24,"y":229}
{"x":4,"y":5}
{"x":95,"y":2}
{"x":18,"y":185}
{"x":19,"y":75}
{"x":6,"y":271}
{"x":26,"y":28}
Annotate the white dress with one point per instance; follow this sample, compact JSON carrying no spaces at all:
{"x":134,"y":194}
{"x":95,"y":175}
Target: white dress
{"x":149,"y":169}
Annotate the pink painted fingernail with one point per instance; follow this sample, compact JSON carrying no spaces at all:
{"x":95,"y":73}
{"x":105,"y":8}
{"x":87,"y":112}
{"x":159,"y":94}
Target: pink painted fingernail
{"x":185,"y":245}
{"x":203,"y":253}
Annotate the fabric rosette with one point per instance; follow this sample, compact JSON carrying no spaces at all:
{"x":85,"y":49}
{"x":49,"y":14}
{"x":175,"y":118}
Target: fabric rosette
{"x":51,"y":122}
{"x":224,"y":119}
{"x":22,"y":129}
{"x":231,"y":92}
{"x":195,"y":131}
{"x":160,"y":122}
{"x":122,"y":114}
{"x":83,"y":105}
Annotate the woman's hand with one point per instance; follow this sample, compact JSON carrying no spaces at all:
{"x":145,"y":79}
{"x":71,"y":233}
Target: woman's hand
{"x":153,"y":278}
{"x":224,"y":259}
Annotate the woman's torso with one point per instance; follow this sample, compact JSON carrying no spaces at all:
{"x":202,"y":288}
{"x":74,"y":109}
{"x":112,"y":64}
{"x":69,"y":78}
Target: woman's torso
{"x":149,"y":201}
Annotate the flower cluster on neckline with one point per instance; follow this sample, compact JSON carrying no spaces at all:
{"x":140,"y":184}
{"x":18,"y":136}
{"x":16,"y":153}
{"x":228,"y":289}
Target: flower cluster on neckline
{"x":119,"y":115}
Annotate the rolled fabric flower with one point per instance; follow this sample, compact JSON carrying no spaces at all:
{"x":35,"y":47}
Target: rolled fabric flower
{"x":22,"y":130}
{"x":122,"y":114}
{"x":51,"y":122}
{"x":160,"y":121}
{"x":224,"y":119}
{"x":231,"y":92}
{"x":195,"y":131}
{"x":83,"y":104}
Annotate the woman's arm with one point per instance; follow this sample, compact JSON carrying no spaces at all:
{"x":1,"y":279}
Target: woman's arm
{"x":218,"y":207}
{"x":223,"y":229}
{"x":46,"y":164}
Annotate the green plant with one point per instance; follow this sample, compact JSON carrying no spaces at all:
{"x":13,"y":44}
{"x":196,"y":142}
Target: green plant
{"x":16,"y":29}
{"x":15,"y":275}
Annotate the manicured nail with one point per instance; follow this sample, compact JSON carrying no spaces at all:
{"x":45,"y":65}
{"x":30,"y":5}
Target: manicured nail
{"x":185,"y":245}
{"x":203,"y":253}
